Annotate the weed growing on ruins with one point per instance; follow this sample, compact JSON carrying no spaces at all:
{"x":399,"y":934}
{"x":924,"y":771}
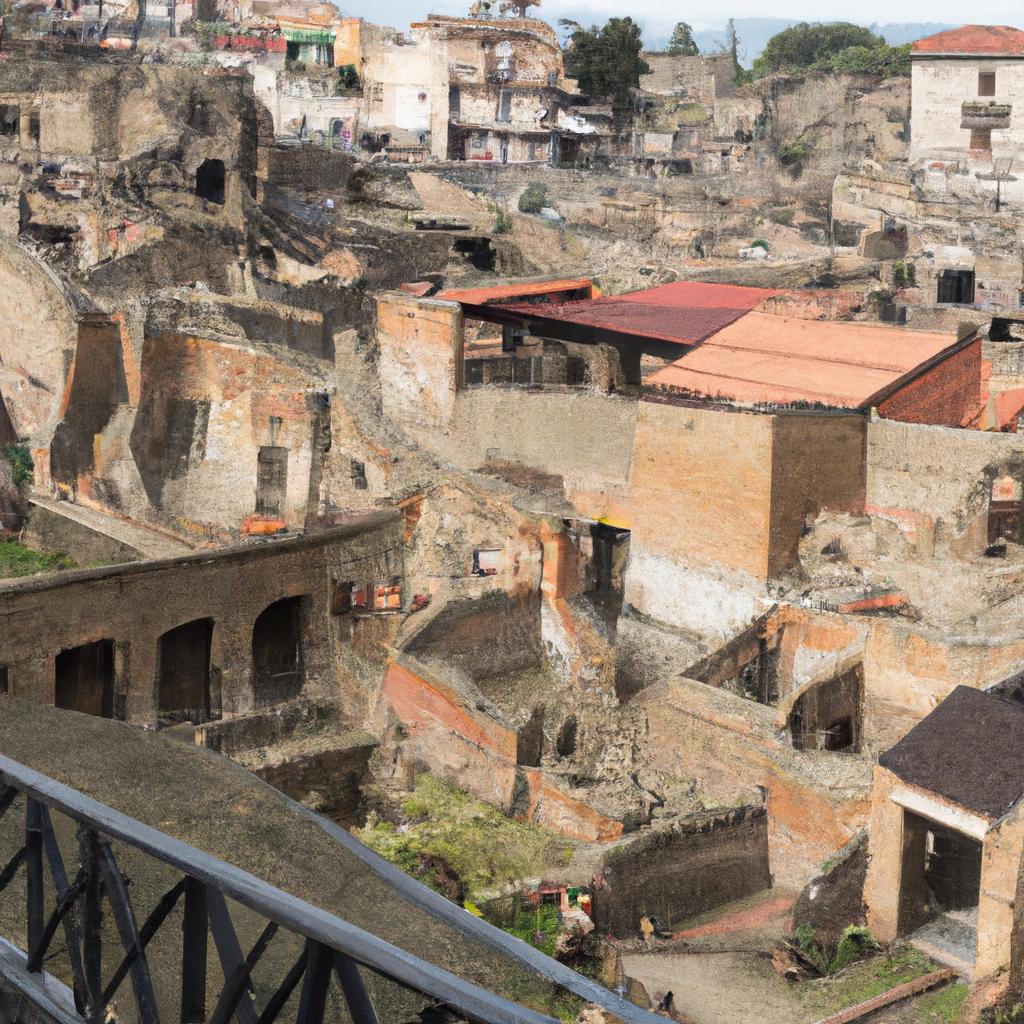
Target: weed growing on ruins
{"x":16,"y":560}
{"x":484,"y":848}
{"x":866,"y":979}
{"x":903,"y":273}
{"x":760,"y":243}
{"x":534,"y":198}
{"x":855,"y":944}
{"x":944,"y":1006}
{"x":22,"y":466}
{"x":502,"y":222}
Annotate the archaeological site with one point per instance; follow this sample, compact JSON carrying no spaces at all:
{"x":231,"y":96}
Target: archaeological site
{"x":510,"y":522}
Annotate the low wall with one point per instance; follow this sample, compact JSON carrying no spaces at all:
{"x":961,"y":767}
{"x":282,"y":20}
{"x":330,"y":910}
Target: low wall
{"x":696,"y":865}
{"x":327,"y":778}
{"x":45,"y":530}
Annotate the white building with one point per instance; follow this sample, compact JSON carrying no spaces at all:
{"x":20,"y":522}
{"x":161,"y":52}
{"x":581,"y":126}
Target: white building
{"x":968,"y":108}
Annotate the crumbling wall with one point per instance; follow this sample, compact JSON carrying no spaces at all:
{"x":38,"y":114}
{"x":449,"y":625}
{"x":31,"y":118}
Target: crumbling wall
{"x":420,"y":361}
{"x":909,"y":670}
{"x":578,"y":443}
{"x":32,"y":375}
{"x":133,"y":606}
{"x":683,"y":871}
{"x":734,"y":749}
{"x":934,"y":483}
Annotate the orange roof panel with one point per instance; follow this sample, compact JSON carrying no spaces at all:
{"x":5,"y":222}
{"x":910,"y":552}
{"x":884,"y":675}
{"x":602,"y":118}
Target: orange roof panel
{"x":514,"y":291}
{"x":990,"y":40}
{"x":781,"y":360}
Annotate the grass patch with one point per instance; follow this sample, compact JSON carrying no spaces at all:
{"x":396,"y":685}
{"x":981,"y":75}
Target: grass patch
{"x":17,"y":560}
{"x":866,"y":979}
{"x":486,"y":849}
{"x":944,"y":1006}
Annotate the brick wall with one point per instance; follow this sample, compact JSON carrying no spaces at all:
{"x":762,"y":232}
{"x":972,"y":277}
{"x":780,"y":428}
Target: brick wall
{"x":948,"y":394}
{"x":698,"y":864}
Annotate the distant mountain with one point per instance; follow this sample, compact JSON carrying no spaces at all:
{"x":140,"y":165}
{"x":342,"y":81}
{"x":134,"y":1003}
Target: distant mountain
{"x":900,"y":33}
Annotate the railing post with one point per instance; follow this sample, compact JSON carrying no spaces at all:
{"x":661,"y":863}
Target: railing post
{"x":194,"y":929}
{"x":34,"y":870}
{"x":91,"y":924}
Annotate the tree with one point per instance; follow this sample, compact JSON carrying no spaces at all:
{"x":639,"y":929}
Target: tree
{"x":681,"y":42}
{"x":804,"y":46}
{"x":606,"y":61}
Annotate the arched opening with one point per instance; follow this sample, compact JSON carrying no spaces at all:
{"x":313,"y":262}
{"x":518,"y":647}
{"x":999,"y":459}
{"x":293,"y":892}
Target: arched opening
{"x":565,"y":743}
{"x":183,"y":672}
{"x":828,"y":715}
{"x":530,"y":740}
{"x":1004,"y":519}
{"x":85,"y":679}
{"x":210,"y":181}
{"x":277,"y":656}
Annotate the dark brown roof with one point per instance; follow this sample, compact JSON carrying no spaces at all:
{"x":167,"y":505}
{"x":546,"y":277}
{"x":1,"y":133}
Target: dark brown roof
{"x":967,"y":750}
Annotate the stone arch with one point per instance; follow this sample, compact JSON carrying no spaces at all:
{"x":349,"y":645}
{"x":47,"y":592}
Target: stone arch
{"x":38,"y":338}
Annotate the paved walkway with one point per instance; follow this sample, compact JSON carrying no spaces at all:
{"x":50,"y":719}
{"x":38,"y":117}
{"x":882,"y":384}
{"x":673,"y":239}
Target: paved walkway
{"x":149,"y":543}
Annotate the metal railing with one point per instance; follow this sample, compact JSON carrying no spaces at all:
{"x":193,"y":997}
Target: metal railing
{"x":332,"y":949}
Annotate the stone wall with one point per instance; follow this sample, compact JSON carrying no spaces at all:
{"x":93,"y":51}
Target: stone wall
{"x":133,"y":606}
{"x":683,"y":871}
{"x":736,"y":751}
{"x":935,"y":482}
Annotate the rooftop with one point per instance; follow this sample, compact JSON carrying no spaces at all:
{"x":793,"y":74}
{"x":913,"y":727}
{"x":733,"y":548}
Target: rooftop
{"x":967,"y":750}
{"x":980,"y":40}
{"x":684,"y":313}
{"x":780,"y":360}
{"x":513,"y":292}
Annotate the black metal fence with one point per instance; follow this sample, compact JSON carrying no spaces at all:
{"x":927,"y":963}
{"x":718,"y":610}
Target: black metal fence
{"x":332,"y":950}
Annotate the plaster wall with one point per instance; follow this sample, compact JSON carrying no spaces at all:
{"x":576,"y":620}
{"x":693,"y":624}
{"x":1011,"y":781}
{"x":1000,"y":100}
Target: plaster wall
{"x":940,"y":86}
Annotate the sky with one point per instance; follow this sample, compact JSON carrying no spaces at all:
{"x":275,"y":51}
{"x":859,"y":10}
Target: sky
{"x":658,"y":16}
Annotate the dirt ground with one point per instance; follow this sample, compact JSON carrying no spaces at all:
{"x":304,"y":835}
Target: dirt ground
{"x":721,"y":988}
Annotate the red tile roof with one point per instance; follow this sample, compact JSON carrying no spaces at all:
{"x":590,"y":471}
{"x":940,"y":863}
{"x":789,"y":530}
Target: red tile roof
{"x":782,"y":360}
{"x":686,"y":312}
{"x":993,"y":40}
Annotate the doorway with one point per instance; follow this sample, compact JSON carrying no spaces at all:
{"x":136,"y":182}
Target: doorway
{"x":183,"y":672}
{"x":85,"y":679}
{"x":940,"y":885}
{"x":277,"y":654}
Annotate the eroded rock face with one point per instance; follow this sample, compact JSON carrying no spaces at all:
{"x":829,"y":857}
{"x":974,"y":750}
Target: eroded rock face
{"x":11,"y":504}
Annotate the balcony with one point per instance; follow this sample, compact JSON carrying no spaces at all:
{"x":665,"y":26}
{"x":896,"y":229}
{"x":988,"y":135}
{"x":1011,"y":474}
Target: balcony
{"x":978,"y":114}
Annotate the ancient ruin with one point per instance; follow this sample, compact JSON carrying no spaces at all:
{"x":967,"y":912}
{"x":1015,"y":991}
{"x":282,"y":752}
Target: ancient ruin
{"x":551,"y":547}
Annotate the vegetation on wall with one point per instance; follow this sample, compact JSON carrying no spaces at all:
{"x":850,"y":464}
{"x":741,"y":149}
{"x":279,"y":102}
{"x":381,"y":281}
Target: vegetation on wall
{"x":836,"y":47}
{"x":22,"y":466}
{"x":606,"y":60}
{"x":483,"y":847}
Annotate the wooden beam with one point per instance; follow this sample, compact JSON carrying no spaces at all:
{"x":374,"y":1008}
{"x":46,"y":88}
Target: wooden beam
{"x":235,"y":986}
{"x":156,"y":918}
{"x":894,"y":995}
{"x":229,"y":951}
{"x":128,"y":929}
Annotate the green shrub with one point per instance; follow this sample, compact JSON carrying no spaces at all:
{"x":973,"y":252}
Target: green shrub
{"x":502,"y":222}
{"x":760,"y":243}
{"x":792,"y":154}
{"x":534,"y":198}
{"x":856,"y":943}
{"x":903,"y":274}
{"x":22,"y":466}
